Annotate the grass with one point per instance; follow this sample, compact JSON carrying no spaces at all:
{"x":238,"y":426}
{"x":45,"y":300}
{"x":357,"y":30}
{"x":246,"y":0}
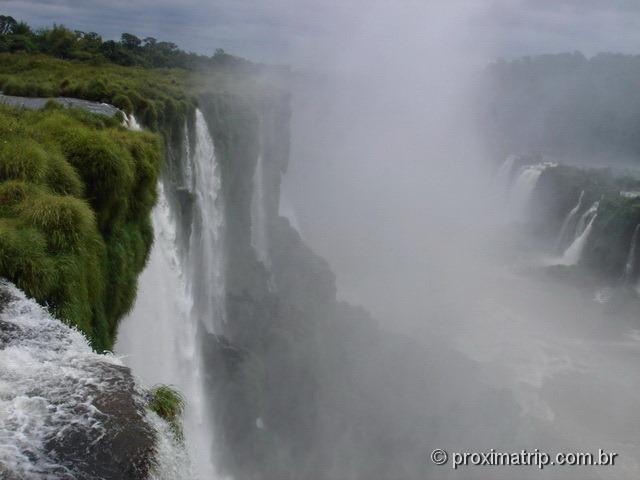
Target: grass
{"x":157,"y":96}
{"x":76,"y":191}
{"x":168,"y":403}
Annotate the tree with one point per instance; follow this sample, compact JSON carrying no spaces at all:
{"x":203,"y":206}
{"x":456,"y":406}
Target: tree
{"x":130,"y":41}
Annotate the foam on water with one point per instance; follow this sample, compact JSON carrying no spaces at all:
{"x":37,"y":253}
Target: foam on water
{"x":49,"y":378}
{"x":181,"y":297}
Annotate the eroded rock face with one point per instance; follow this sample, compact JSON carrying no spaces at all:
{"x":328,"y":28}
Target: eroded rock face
{"x":65,"y":411}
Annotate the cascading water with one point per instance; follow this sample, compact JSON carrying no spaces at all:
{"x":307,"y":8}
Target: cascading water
{"x":205,"y":255}
{"x":585,"y":219}
{"x":504,"y":173}
{"x":525,"y":184}
{"x":259,"y":238}
{"x":51,"y":384}
{"x":569,"y":221}
{"x":629,"y":266}
{"x":180,"y":298}
{"x":131,"y":122}
{"x":573,"y":253}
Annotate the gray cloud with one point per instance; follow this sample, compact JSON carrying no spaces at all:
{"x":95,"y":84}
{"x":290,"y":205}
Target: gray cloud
{"x":302,"y":31}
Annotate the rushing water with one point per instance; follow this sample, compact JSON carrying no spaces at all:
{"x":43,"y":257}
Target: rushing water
{"x":49,"y":380}
{"x":524,"y":186}
{"x":259,"y":238}
{"x":569,"y":221}
{"x":180,"y":297}
{"x":631,"y":257}
{"x":131,"y":122}
{"x":504,"y":173}
{"x":573,"y":253}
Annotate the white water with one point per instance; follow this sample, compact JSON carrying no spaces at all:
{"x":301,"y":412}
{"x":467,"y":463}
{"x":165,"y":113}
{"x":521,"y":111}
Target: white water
{"x":131,"y":122}
{"x":259,"y":238}
{"x":286,"y":210}
{"x":180,"y":297}
{"x":503,"y":175}
{"x":524,"y":185}
{"x":568,"y":221}
{"x":573,"y":253}
{"x":631,"y":258}
{"x":585,"y":219}
{"x":49,"y":376}
{"x":205,"y":258}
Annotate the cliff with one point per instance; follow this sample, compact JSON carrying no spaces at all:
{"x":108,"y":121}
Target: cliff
{"x":305,"y":386}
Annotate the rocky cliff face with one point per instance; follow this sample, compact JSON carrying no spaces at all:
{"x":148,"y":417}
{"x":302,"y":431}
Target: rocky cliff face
{"x":305,"y":386}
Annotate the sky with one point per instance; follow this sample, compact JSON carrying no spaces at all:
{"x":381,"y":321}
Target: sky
{"x":299,"y":32}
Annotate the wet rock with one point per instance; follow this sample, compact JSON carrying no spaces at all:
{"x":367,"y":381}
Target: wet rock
{"x":65,"y":411}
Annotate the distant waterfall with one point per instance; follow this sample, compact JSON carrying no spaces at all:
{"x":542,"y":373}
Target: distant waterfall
{"x":503,"y":175}
{"x":131,"y":122}
{"x":629,"y":266}
{"x":259,"y":238}
{"x":569,"y":221}
{"x":585,"y":219}
{"x":525,"y":184}
{"x":181,"y":296}
{"x":573,"y":253}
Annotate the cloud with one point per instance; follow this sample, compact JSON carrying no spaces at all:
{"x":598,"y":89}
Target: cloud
{"x":301,"y":31}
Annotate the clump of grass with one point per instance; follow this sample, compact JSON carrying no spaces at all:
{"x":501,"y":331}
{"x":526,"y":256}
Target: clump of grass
{"x":122,"y":102}
{"x":22,"y":160}
{"x":62,"y":177}
{"x":76,"y":191}
{"x":66,"y":220}
{"x":168,"y":403}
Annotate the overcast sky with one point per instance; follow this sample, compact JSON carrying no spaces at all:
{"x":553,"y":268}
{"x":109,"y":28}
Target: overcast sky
{"x":298,"y":31}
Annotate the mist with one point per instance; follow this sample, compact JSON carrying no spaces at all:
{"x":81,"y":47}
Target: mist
{"x":392,"y":181}
{"x":409,"y":226}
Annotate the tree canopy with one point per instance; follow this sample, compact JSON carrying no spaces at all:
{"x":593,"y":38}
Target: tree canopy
{"x":130,"y":50}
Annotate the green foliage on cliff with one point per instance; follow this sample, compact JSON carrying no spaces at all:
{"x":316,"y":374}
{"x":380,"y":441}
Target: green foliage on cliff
{"x":567,"y":105}
{"x":76,"y":191}
{"x":156,"y":96}
{"x":168,"y":403}
{"x":61,"y":42}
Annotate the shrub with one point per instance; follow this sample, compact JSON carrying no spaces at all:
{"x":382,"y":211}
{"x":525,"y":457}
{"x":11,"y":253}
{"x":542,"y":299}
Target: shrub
{"x":168,"y":403}
{"x":61,"y":177}
{"x":22,"y":159}
{"x":66,"y":221}
{"x":123,"y":103}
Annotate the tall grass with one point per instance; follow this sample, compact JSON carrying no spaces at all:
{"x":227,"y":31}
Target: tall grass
{"x":76,"y":191}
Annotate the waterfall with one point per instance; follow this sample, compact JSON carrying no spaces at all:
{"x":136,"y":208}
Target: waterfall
{"x":525,"y":184}
{"x":286,"y":210}
{"x":50,"y":383}
{"x":504,"y":172}
{"x":569,"y":221}
{"x":573,"y":253}
{"x":181,"y":297}
{"x":259,"y":238}
{"x":131,"y":122}
{"x":585,"y":219}
{"x":629,"y":267}
{"x":205,"y":257}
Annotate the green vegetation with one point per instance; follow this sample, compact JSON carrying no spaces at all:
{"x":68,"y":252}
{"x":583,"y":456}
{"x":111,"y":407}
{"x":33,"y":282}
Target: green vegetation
{"x":168,"y":403}
{"x":76,"y":191}
{"x":567,"y":105}
{"x":156,"y":96}
{"x":61,"y":42}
